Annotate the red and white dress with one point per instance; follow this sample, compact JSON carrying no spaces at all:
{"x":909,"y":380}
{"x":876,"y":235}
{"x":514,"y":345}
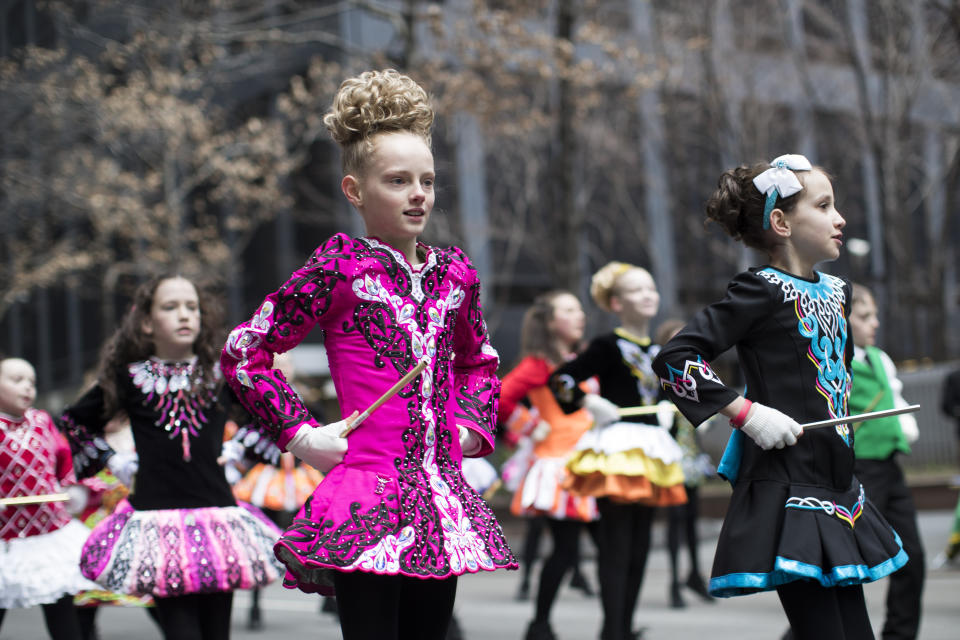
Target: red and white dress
{"x":40,"y":552}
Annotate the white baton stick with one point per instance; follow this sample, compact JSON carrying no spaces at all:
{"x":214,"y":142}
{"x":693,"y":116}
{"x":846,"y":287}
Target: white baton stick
{"x":872,"y":415}
{"x":645,"y":410}
{"x":24,"y":500}
{"x":392,"y":391}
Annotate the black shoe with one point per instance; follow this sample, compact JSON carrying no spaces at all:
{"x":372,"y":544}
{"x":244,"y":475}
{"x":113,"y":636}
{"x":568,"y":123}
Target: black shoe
{"x":329,"y":605}
{"x":636,"y":635}
{"x":523,"y":593}
{"x":454,"y":632}
{"x":255,"y":621}
{"x":539,"y":630}
{"x":676,"y":599}
{"x":695,"y":583}
{"x":579,"y":582}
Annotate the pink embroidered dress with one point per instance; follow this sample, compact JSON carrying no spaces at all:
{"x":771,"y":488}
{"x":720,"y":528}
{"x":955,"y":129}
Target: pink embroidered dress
{"x":398,"y":503}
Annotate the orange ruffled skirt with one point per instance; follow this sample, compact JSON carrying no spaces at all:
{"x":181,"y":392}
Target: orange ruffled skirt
{"x":627,"y":462}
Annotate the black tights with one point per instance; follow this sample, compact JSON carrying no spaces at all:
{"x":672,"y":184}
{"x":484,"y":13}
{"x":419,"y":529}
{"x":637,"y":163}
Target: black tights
{"x":375,"y":607}
{"x":60,"y":617}
{"x":682,"y":523}
{"x":816,"y":612}
{"x":563,"y":557}
{"x":531,"y":545}
{"x":624,"y":534}
{"x":197,"y":616}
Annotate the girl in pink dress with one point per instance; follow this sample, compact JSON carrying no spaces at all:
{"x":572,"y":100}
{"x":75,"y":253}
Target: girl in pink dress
{"x":394,"y":522}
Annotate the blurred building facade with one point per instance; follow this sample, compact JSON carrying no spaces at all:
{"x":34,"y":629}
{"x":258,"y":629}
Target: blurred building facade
{"x":791,"y":76}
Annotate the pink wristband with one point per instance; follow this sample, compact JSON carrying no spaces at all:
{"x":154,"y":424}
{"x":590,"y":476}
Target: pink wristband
{"x":741,"y":417}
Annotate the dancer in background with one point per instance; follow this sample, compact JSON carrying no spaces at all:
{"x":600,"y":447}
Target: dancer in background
{"x":630,"y":464}
{"x":394,"y":523}
{"x":799,"y":522}
{"x":877,"y":444}
{"x":279,"y":487}
{"x":40,"y":552}
{"x":551,"y":333}
{"x":180,"y":536}
{"x":682,"y":518}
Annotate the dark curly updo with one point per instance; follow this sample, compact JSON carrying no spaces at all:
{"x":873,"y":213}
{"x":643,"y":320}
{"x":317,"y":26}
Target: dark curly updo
{"x":376,"y":102}
{"x":737,"y":204}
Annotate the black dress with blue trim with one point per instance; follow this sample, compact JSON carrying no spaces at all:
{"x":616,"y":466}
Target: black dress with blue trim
{"x":798,"y":512}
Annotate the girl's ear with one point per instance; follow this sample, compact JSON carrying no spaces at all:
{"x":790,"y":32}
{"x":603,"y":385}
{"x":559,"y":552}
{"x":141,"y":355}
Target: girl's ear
{"x":779,"y":223}
{"x":615,"y":305}
{"x":146,"y":326}
{"x":351,"y":189}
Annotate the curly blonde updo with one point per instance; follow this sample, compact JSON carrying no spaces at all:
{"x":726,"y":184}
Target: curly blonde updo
{"x":603,"y":285}
{"x":376,"y":102}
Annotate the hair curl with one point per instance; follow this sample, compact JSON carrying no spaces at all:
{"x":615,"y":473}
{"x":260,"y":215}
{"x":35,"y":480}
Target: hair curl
{"x":603,"y":284}
{"x":130,"y":344}
{"x":737,"y":204}
{"x":536,"y":338}
{"x":376,"y":102}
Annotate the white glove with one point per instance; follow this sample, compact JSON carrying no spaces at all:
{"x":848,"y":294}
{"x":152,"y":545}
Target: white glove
{"x":541,"y":431}
{"x":470,"y":442}
{"x":124,"y":466}
{"x":604,"y":412}
{"x":908,"y":425}
{"x":232,"y":452}
{"x":666,"y":414}
{"x":79,"y":496}
{"x":770,"y":428}
{"x":320,"y":447}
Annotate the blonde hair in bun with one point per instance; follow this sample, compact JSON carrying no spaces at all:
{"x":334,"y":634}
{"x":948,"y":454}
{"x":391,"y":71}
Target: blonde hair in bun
{"x":376,"y":102}
{"x":604,"y":282}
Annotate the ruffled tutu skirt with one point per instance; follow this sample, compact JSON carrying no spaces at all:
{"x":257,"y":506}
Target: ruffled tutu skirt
{"x":173,"y":552}
{"x":775,"y":533}
{"x":628,"y":462}
{"x":276,"y":488}
{"x":42,"y":569}
{"x":542,"y":492}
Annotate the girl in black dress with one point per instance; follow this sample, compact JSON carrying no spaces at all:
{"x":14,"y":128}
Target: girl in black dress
{"x":798,"y":520}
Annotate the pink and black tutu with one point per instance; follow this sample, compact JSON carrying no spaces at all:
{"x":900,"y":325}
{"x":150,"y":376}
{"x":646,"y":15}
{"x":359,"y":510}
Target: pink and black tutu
{"x":173,"y":552}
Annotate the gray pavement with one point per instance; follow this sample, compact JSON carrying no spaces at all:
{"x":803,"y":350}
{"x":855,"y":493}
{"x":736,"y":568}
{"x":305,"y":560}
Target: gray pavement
{"x":486,"y":607}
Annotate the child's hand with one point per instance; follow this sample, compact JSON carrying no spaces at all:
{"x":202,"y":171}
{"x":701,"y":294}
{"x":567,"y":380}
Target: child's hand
{"x":470,"y":443}
{"x":232,"y":452}
{"x":770,"y":428}
{"x":541,"y":431}
{"x":321,"y":447}
{"x":124,"y":466}
{"x":604,"y":412}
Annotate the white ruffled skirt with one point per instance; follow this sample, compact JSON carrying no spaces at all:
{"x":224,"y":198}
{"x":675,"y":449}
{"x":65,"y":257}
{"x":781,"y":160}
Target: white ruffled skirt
{"x":42,"y":569}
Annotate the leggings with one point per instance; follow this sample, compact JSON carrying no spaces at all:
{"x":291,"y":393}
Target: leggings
{"x":563,"y":557}
{"x":531,"y":545}
{"x":196,"y":616}
{"x":624,"y":536}
{"x":682,"y":523}
{"x":60,"y":617}
{"x":816,"y":612}
{"x":375,"y":607}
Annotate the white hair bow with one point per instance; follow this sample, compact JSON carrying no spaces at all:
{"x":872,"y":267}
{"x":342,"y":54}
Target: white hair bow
{"x":780,"y":178}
